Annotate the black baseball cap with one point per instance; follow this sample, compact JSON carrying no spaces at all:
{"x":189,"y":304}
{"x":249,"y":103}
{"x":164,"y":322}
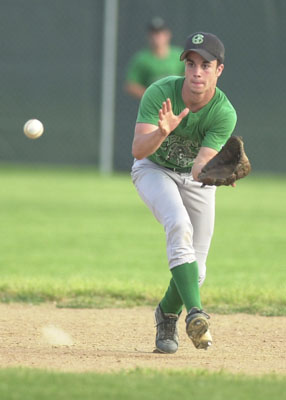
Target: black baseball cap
{"x":209,"y":46}
{"x":157,"y":24}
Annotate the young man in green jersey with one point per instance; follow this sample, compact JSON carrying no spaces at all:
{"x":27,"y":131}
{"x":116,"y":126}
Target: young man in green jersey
{"x":182,"y":123}
{"x":159,"y":60}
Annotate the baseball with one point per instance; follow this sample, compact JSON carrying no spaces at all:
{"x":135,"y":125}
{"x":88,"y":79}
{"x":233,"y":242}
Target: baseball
{"x":33,"y":128}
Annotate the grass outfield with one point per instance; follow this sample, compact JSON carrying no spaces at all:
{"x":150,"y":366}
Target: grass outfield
{"x":81,"y":239}
{"x":24,"y":384}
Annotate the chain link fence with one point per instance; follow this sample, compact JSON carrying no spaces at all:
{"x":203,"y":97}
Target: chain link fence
{"x":51,"y":69}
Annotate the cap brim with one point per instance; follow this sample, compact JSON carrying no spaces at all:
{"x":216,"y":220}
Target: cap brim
{"x":205,"y":54}
{"x":160,"y":29}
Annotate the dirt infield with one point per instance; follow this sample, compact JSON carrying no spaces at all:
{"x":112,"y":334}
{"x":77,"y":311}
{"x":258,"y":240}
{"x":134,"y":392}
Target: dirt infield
{"x":113,"y":339}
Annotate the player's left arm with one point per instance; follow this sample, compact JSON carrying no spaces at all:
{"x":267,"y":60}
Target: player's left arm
{"x":204,"y":156}
{"x":214,"y":139}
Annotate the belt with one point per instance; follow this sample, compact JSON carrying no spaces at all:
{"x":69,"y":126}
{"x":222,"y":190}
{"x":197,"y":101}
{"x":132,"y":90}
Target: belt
{"x":180,"y":170}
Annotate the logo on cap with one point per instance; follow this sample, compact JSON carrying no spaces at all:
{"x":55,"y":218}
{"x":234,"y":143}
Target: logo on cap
{"x":198,"y":39}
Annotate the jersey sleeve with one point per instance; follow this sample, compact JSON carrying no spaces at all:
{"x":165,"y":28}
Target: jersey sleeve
{"x":150,"y":105}
{"x":221,"y":130}
{"x":136,"y":70}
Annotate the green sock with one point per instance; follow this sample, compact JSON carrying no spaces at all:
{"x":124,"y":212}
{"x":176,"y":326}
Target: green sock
{"x":172,"y":302}
{"x":186,"y":278}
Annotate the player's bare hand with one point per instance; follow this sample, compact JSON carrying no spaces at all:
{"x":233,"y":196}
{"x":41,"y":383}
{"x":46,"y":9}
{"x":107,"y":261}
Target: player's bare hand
{"x":168,"y":121}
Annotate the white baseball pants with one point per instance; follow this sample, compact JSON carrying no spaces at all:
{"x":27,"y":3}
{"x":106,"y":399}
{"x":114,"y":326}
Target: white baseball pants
{"x":183,"y":207}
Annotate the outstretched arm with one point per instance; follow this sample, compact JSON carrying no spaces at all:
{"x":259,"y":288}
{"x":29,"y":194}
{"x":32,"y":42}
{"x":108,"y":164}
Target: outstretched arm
{"x":203,"y":157}
{"x":148,"y":137}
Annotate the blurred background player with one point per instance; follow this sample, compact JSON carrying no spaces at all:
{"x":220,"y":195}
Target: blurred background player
{"x":160,"y":59}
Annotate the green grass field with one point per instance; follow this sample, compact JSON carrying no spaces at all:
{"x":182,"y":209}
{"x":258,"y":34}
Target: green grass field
{"x":137,"y":384}
{"x":80,"y":239}
{"x":75,"y":237}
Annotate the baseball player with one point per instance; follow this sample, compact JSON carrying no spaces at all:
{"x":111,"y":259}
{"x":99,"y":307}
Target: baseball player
{"x":160,"y":59}
{"x":182,"y":123}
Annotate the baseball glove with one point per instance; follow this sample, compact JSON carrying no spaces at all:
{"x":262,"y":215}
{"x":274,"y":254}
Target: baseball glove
{"x":229,"y":165}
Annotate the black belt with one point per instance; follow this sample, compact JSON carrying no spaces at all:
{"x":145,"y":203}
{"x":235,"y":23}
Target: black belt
{"x":180,"y":170}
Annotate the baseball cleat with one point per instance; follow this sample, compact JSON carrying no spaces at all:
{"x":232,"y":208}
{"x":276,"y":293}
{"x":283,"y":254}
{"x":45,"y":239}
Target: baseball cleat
{"x":197,"y":327}
{"x":167,"y":339}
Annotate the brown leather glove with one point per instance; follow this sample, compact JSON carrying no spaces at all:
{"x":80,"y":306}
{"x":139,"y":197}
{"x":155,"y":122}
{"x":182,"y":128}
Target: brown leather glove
{"x":227,"y":166}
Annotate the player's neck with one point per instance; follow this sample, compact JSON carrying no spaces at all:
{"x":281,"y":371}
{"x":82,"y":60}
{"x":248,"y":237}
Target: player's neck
{"x":161,"y":52}
{"x":195,"y":101}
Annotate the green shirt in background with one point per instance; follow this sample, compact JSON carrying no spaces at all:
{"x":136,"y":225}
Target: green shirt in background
{"x":211,"y":126}
{"x":145,"y":68}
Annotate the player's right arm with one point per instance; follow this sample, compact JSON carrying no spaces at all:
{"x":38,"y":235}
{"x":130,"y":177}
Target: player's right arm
{"x":135,"y":89}
{"x":135,"y":83}
{"x":148,"y":137}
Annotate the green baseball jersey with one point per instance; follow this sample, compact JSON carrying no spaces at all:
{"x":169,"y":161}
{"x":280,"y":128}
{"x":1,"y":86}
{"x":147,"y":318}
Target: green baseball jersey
{"x":211,"y":126}
{"x":145,"y":68}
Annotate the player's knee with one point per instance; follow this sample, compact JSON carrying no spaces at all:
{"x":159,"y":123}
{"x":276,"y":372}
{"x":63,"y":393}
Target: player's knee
{"x":202,"y":272}
{"x":180,"y":227}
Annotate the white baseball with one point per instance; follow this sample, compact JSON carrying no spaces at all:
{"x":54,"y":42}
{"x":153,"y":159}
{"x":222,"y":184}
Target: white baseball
{"x":33,"y":128}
